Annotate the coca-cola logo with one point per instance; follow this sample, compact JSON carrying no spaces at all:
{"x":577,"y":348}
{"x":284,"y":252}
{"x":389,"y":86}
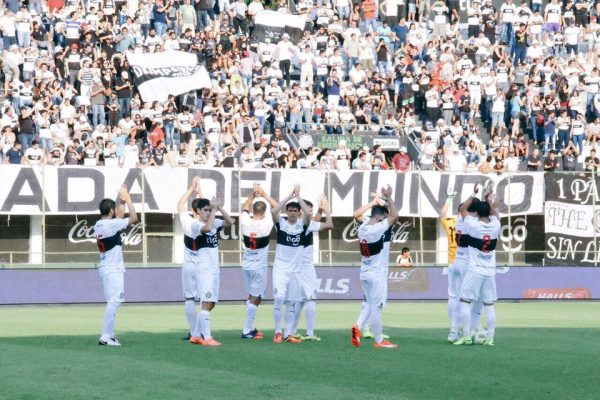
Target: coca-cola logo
{"x":81,"y":232}
{"x":399,"y":232}
{"x":513,"y":236}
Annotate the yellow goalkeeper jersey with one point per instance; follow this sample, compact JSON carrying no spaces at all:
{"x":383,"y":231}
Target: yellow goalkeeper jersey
{"x":449,"y":225}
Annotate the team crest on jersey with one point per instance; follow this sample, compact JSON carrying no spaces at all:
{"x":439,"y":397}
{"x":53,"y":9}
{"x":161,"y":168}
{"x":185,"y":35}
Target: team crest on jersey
{"x":208,"y":295}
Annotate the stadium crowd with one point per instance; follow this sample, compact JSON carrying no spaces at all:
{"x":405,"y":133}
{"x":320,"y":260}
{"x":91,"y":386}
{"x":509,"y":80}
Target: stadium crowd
{"x":481,"y":89}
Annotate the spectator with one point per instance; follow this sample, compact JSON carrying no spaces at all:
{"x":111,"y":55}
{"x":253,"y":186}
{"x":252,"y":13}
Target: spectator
{"x":591,"y":162}
{"x":404,"y":259}
{"x":401,"y":160}
{"x":534,"y":161}
{"x":551,"y":162}
{"x":14,"y":155}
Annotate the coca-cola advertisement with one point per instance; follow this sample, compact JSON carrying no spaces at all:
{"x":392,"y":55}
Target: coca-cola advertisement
{"x":72,"y":239}
{"x":406,"y":232}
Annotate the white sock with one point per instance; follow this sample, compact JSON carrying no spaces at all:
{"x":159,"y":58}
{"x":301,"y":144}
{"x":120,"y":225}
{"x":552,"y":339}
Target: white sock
{"x":278,"y":313}
{"x":490,"y":318}
{"x":476,"y":316}
{"x":363,"y":317}
{"x":377,"y":324}
{"x":197,"y":331}
{"x":297,"y":314}
{"x":465,"y":316}
{"x":251,"y":309}
{"x":311,"y":316}
{"x":454,"y":314}
{"x":108,"y":330}
{"x":290,"y":314}
{"x":205,"y":317}
{"x":190,"y":313}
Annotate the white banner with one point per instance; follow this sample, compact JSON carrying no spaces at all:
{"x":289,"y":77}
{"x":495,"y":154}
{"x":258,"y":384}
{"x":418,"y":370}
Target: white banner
{"x":78,"y":190}
{"x":157,"y":75}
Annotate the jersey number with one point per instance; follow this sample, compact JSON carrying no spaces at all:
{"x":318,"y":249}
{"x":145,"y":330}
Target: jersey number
{"x":487,"y":240}
{"x":364,"y":248}
{"x":101,"y":245}
{"x":252,"y":241}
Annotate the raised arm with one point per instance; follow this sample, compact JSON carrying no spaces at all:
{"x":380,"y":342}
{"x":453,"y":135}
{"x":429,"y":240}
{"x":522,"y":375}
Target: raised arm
{"x":248,"y":204}
{"x":447,"y":205}
{"x":360,"y":212}
{"x":226,"y":217}
{"x":261,"y":192}
{"x":125,"y":197}
{"x":277,"y":209}
{"x":304,"y":207}
{"x":393,"y":213}
{"x":324,"y":206}
{"x":194,"y":187}
{"x":465,"y":206}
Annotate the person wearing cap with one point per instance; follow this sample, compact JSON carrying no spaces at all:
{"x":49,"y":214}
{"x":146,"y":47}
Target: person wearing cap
{"x":401,"y":160}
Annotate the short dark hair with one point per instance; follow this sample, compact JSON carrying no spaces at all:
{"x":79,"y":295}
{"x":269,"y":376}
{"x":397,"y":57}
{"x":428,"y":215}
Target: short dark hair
{"x":474,"y":205}
{"x":405,"y":250}
{"x":259,"y":207}
{"x":106,"y":205}
{"x":308,"y":203}
{"x":483,"y":209}
{"x":199,"y":204}
{"x":378,"y":210}
{"x":293,"y":204}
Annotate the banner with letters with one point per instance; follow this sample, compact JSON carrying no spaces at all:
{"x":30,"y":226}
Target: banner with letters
{"x":78,"y":190}
{"x":158,"y":75}
{"x":273,"y":24}
{"x":572,"y":219}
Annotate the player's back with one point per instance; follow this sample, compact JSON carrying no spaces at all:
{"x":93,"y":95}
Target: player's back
{"x":191,"y":240}
{"x":483,"y":237}
{"x":255,"y":233}
{"x":108,"y":237}
{"x":372,"y":254}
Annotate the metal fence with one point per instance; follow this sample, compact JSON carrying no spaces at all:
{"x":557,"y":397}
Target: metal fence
{"x":67,"y":241}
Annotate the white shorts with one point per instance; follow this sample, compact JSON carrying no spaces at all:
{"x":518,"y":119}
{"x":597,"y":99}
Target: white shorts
{"x":208,"y":286}
{"x":189,"y":283}
{"x":456,"y":274}
{"x":285,"y":284}
{"x":375,"y":290}
{"x":307,"y":281}
{"x":255,"y":281}
{"x":114,"y":288}
{"x":476,"y":286}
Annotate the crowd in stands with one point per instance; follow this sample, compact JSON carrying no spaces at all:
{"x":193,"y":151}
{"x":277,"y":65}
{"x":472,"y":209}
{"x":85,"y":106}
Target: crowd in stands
{"x":511,"y":87}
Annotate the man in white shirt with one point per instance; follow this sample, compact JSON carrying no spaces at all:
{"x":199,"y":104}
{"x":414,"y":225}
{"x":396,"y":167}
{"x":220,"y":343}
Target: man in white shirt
{"x":284,"y":53}
{"x":111,"y":266}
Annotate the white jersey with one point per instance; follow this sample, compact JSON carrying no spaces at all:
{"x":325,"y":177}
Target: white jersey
{"x":289,"y":249}
{"x":208,"y":247}
{"x":191,"y":231}
{"x":462,"y":240}
{"x":108,"y":237}
{"x":483,"y":237}
{"x":387,"y":242}
{"x":372,"y":254}
{"x":255,"y":233}
{"x":307,"y":258}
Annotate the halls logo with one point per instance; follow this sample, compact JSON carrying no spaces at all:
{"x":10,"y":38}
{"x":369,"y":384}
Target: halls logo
{"x":399,"y":232}
{"x":333,"y":286}
{"x":567,"y":293}
{"x":408,"y":279}
{"x":81,"y":232}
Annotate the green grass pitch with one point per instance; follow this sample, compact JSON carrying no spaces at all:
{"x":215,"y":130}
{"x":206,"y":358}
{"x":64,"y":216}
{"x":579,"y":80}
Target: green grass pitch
{"x":543,"y":351}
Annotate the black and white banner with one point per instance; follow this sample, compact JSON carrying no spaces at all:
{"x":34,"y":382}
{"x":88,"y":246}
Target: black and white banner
{"x":157,"y":75}
{"x":272,"y":25}
{"x":572,"y":219}
{"x":78,"y":190}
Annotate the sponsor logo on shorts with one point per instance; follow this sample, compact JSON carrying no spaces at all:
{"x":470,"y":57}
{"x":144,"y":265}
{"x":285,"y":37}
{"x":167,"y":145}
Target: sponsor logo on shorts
{"x":208,"y":295}
{"x":122,"y":295}
{"x":408,"y":279}
{"x":566,"y":293}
